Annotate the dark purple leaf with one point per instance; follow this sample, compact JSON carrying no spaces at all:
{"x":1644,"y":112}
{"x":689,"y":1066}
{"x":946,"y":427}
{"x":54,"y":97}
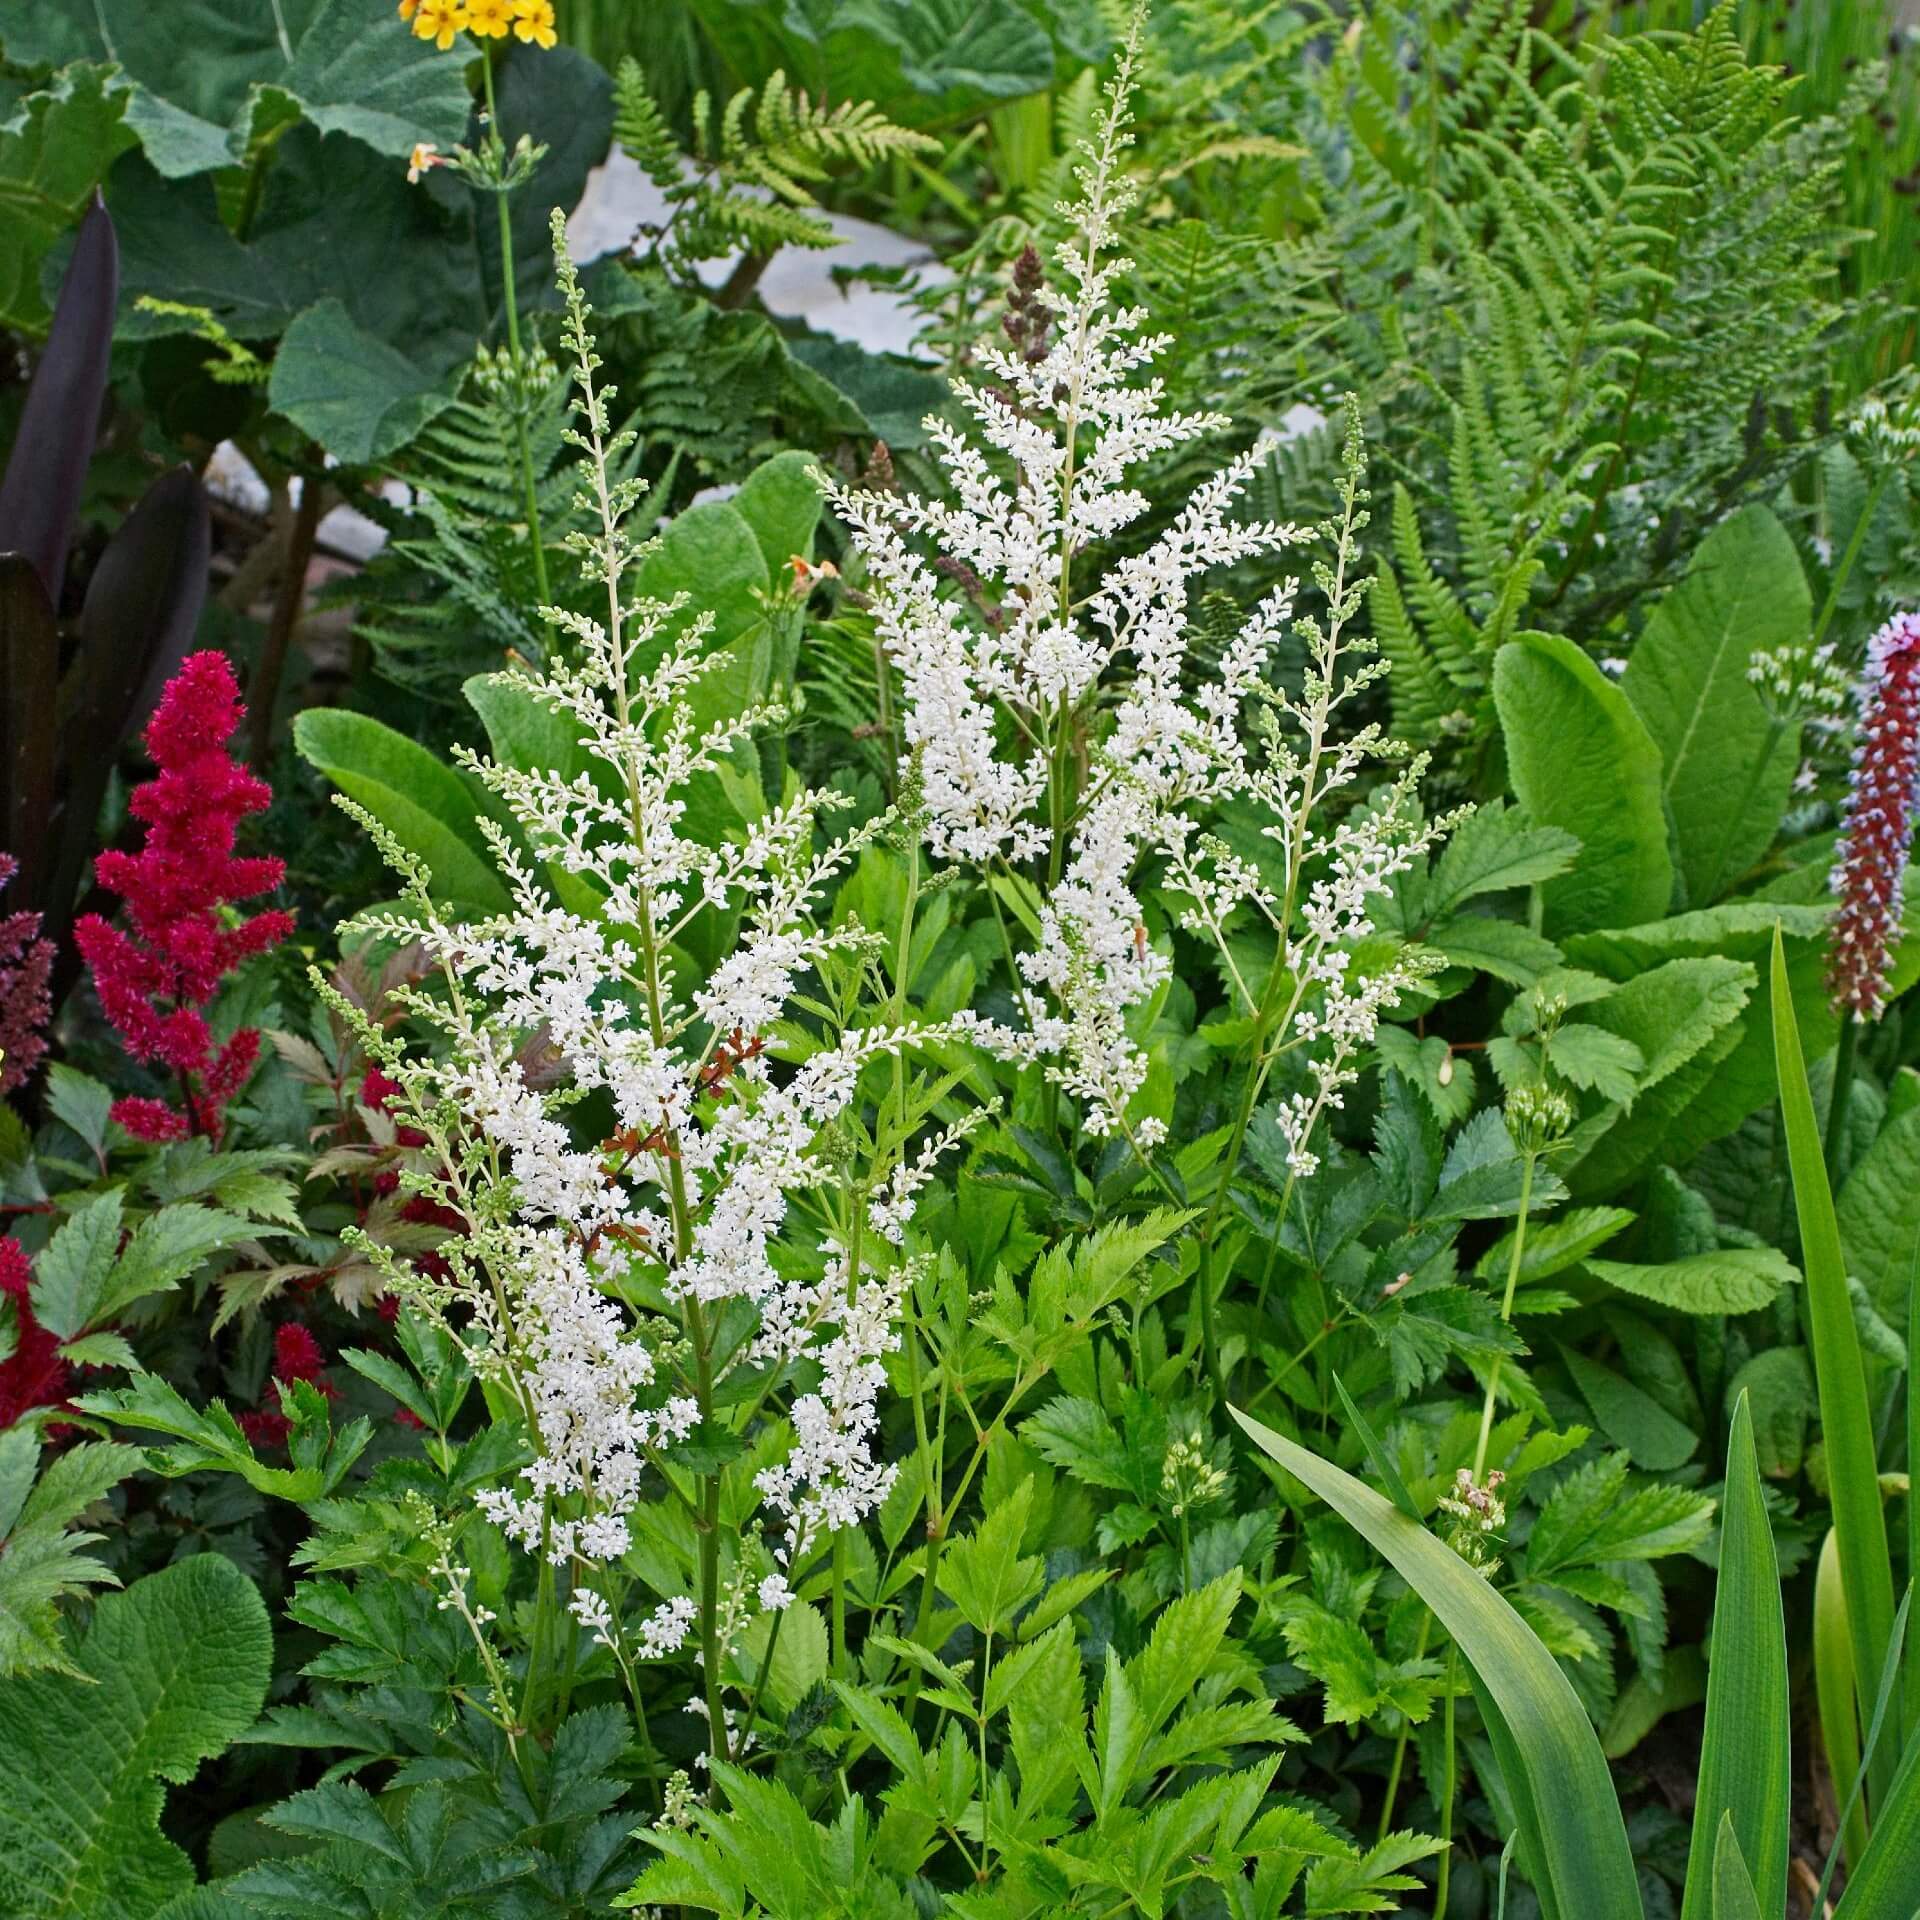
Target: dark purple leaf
{"x":29,"y":667}
{"x":142,"y":609}
{"x":40,"y":493}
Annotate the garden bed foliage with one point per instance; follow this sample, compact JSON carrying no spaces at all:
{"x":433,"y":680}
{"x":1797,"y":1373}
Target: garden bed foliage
{"x":1109,"y":1116}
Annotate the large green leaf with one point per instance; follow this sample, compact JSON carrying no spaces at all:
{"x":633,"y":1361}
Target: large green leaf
{"x":368,"y":352}
{"x":1727,"y":766}
{"x":927,"y":60}
{"x":332,"y":220}
{"x":54,"y":148}
{"x":1879,"y":1214}
{"x":361,"y":398}
{"x":781,"y":503}
{"x":1573,"y":1841}
{"x":427,"y":805}
{"x":1580,"y":759}
{"x":175,"y":1669}
{"x":1846,"y":1416}
{"x":1745,"y":1765}
{"x":198,"y":72}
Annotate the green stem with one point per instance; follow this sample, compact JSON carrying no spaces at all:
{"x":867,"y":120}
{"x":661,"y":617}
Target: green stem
{"x":841,"y":1663}
{"x":529,"y":495}
{"x":1453,"y":1789}
{"x":1229,"y":1165}
{"x":1400,"y":1745}
{"x":1506,"y":1314}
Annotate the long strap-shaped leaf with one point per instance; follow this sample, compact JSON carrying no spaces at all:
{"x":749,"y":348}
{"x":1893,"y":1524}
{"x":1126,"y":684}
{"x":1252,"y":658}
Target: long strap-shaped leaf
{"x":1885,"y":1885}
{"x":1745,"y":1769}
{"x":1572,"y":1840}
{"x":1733,"y":1894}
{"x":1846,"y":1419}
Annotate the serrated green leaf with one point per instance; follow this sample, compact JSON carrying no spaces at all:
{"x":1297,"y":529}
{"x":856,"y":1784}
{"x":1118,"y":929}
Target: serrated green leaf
{"x":984,"y":1574}
{"x":1631,"y":1419}
{"x":1730,"y":1280}
{"x":178,"y":1665}
{"x":71,"y":1276}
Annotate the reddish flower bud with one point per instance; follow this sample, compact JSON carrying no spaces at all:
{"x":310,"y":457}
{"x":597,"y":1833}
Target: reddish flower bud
{"x":26,"y":966}
{"x":33,"y":1375}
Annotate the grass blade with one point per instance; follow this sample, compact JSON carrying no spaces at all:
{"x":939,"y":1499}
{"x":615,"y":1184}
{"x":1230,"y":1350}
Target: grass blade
{"x":1573,"y":1841}
{"x":1745,"y":1783}
{"x":1846,"y":1418}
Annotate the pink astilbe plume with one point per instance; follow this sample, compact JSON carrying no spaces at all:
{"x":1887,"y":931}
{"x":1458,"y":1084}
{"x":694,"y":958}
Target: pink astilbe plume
{"x":154,"y":980}
{"x":26,"y":965}
{"x":1870,"y":862}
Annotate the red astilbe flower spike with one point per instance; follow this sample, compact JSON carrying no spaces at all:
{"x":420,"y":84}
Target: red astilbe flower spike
{"x":26,"y":1005}
{"x":33,"y":1375}
{"x":1870,"y":861}
{"x":154,"y":980}
{"x":296,"y":1356}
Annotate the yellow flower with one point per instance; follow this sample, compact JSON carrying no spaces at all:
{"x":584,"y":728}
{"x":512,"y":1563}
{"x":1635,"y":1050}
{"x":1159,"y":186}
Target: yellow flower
{"x":407,"y":8}
{"x":439,"y":21}
{"x":533,"y":20}
{"x":489,"y":19}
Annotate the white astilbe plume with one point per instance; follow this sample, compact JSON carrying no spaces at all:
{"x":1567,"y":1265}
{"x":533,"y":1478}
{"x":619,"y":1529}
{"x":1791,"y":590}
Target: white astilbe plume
{"x":708,"y":1140}
{"x":1053,"y":720}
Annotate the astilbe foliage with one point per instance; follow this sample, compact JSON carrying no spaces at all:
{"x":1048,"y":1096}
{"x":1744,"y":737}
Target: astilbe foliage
{"x":1870,"y":862}
{"x":26,"y":1005}
{"x":154,"y":979}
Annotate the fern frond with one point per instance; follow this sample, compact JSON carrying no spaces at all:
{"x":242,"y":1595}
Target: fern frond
{"x":641,"y":129}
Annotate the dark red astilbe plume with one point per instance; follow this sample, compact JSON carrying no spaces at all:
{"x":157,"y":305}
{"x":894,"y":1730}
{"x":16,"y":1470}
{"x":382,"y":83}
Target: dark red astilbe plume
{"x":26,"y":966}
{"x":377,"y":1091}
{"x":33,"y":1375}
{"x":1870,"y":861}
{"x":296,"y":1356}
{"x":153,"y":981}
